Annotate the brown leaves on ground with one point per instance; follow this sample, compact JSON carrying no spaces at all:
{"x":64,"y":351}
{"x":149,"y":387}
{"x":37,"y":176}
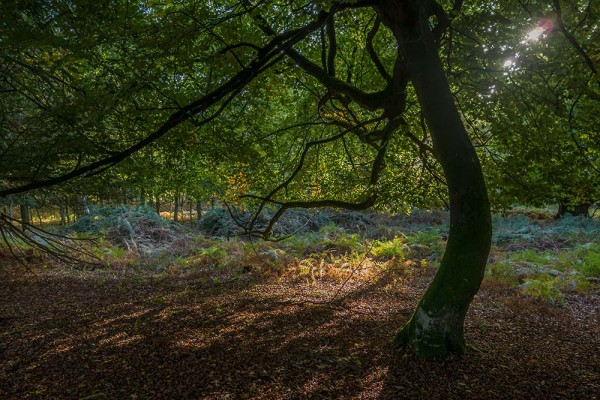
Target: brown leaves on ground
{"x":100,"y":336}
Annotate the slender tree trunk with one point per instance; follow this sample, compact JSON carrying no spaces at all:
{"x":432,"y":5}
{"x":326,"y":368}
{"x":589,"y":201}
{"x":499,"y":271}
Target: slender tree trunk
{"x":39,"y":215}
{"x":25,"y":216}
{"x":150,"y":200}
{"x":10,"y":208}
{"x":62,"y":214}
{"x":143,"y":200}
{"x":85,"y":207}
{"x":181,"y":206}
{"x":436,"y":327}
{"x":176,"y":210}
{"x":157,"y":204}
{"x":198,"y":210}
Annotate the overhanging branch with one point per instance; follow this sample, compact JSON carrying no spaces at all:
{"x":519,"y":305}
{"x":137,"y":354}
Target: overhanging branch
{"x":369,"y":101}
{"x":269,"y":197}
{"x":272,"y":50}
{"x":367,"y":202}
{"x":373,"y":54}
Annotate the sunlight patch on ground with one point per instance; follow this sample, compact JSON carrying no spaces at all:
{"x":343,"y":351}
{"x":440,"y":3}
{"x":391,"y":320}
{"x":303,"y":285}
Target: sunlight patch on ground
{"x":196,"y":339}
{"x":121,"y":318}
{"x":61,"y":348}
{"x":120,"y":339}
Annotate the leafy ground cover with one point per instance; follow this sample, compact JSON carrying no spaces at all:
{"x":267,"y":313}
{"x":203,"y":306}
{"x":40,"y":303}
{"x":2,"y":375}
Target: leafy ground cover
{"x":313,"y":316}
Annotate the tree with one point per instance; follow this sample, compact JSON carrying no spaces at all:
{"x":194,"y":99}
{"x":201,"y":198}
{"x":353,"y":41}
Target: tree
{"x":177,"y":68}
{"x":532,"y":74}
{"x":437,"y":325}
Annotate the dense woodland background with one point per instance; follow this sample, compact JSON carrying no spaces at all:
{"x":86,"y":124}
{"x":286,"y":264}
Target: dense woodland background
{"x":286,"y":199}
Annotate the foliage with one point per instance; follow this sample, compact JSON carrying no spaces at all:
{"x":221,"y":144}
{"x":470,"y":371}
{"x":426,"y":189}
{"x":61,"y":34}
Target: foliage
{"x":218,"y":222}
{"x":144,"y":239}
{"x":537,"y":137}
{"x":549,"y":258}
{"x":394,"y":248}
{"x":520,"y":229}
{"x":544,"y":288}
{"x":119,"y":221}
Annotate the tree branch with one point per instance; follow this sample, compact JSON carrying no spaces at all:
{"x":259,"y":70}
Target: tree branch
{"x":369,"y":201}
{"x":273,"y":50}
{"x":284,"y":184}
{"x":573,"y":40}
{"x":332,"y":46}
{"x":373,"y":53}
{"x":369,"y":101}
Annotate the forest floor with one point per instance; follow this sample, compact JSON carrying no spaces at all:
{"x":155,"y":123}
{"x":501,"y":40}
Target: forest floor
{"x":174,"y":334}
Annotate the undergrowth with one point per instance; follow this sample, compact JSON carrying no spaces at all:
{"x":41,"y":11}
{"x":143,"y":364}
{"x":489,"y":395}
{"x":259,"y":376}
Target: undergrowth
{"x":545,"y":259}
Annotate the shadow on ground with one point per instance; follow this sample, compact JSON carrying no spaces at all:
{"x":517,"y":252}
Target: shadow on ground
{"x":129,"y":338}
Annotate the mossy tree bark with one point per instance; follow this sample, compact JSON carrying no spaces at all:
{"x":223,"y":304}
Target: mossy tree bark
{"x":436,"y":328}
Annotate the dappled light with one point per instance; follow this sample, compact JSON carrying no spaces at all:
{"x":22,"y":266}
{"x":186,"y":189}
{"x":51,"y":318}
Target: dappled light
{"x":329,"y":199}
{"x":315,"y":325}
{"x":250,"y":341}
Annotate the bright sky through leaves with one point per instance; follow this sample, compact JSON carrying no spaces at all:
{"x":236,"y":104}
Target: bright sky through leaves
{"x":543,"y":27}
{"x":535,"y":34}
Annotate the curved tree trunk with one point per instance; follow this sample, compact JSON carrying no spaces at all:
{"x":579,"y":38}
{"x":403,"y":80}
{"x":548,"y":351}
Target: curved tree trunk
{"x":436,"y":328}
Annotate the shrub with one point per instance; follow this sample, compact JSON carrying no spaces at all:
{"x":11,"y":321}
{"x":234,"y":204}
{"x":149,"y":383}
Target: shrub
{"x":212,"y":252}
{"x":353,"y":220}
{"x":390,"y":249}
{"x":218,"y":222}
{"x":504,"y":271}
{"x":120,"y":221}
{"x":425,"y":244}
{"x":590,"y":266}
{"x":544,"y":288}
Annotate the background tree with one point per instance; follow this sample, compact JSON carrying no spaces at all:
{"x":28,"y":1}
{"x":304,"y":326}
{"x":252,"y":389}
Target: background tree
{"x":527,"y":93}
